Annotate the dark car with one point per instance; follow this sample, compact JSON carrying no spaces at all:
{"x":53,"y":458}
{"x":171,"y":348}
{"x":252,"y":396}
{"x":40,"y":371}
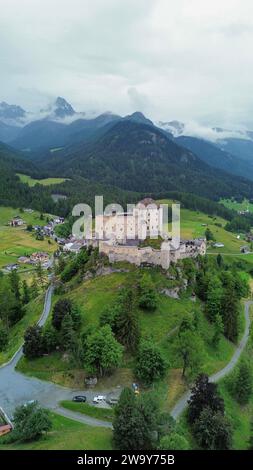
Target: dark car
{"x":79,"y":398}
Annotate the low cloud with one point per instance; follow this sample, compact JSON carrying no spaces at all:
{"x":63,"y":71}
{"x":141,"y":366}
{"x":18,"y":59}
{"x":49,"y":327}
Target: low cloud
{"x":212,"y":134}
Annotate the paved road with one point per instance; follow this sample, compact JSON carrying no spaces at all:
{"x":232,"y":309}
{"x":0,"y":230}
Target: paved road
{"x":16,"y":388}
{"x":182,"y":403}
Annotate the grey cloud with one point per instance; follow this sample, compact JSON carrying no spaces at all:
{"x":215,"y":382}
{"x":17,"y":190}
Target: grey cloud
{"x":170,"y":59}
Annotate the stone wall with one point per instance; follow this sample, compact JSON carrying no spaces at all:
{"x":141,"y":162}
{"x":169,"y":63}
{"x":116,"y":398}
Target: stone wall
{"x":135,"y":255}
{"x":148,"y":255}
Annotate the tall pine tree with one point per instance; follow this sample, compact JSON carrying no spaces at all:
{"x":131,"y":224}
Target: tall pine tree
{"x":243,"y":383}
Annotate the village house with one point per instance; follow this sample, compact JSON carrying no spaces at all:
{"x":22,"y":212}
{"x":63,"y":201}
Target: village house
{"x":249,"y":237}
{"x":58,"y":220}
{"x":39,"y":257}
{"x":16,"y":221}
{"x":11,"y":267}
{"x":29,"y":211}
{"x":74,"y":246}
{"x":218,"y":245}
{"x":24,"y":260}
{"x":245,"y":249}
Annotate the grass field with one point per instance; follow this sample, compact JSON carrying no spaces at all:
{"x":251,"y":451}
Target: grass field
{"x":67,"y":434}
{"x":16,"y":241}
{"x":237,"y":206}
{"x":105,"y":414}
{"x":45,"y":182}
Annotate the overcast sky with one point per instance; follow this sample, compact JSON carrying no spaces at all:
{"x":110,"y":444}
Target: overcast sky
{"x":171,"y":59}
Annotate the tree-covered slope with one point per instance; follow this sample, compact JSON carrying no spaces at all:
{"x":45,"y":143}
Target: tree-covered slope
{"x":139,"y":157}
{"x":217,"y":157}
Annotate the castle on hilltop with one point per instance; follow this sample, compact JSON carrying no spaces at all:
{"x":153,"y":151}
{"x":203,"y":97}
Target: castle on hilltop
{"x":119,"y":235}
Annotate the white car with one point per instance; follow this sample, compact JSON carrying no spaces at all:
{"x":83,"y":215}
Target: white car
{"x":99,"y":399}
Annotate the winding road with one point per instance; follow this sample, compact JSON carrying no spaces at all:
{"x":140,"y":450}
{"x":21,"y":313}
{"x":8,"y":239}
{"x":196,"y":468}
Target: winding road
{"x":182,"y":403}
{"x":16,"y":388}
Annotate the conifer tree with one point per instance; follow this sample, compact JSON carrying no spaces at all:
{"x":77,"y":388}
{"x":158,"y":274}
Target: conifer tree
{"x":15,"y":284}
{"x":243,"y":383}
{"x":218,"y":330}
{"x":67,"y":333}
{"x":214,"y":297}
{"x":230,"y":313}
{"x":26,"y":293}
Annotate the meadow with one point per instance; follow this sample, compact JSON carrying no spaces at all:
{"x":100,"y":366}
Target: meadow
{"x":45,"y":182}
{"x":237,"y":206}
{"x":17,"y":241}
{"x":67,"y":434}
{"x":105,"y":414}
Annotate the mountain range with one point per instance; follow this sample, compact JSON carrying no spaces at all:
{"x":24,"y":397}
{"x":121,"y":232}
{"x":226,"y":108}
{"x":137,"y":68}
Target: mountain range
{"x":130,"y":154}
{"x":59,"y":125}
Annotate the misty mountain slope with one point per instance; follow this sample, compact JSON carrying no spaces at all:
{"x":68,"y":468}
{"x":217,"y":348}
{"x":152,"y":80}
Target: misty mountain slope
{"x":140,"y":157}
{"x":38,"y":134}
{"x":242,"y":148}
{"x":8,"y":133}
{"x":217,"y":157}
{"x":11,"y":112}
{"x":48,"y":134}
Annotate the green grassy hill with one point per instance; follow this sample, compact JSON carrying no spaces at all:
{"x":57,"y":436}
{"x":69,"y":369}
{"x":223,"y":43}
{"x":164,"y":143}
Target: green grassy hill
{"x":94,"y":295}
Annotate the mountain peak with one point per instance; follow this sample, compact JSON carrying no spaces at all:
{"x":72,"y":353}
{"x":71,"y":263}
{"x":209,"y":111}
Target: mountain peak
{"x":11,"y":111}
{"x":62,"y":108}
{"x":139,"y":117}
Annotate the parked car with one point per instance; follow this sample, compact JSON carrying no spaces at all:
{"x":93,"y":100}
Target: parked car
{"x":30,"y":402}
{"x":79,"y":399}
{"x":113,"y":401}
{"x":99,"y":399}
{"x":135,"y":388}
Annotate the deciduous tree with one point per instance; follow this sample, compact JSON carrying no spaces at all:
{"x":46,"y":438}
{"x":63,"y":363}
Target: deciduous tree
{"x":33,"y":342}
{"x":213,"y":430}
{"x":103,"y":352}
{"x":31,"y":421}
{"x":147,"y":293}
{"x":150,"y":365}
